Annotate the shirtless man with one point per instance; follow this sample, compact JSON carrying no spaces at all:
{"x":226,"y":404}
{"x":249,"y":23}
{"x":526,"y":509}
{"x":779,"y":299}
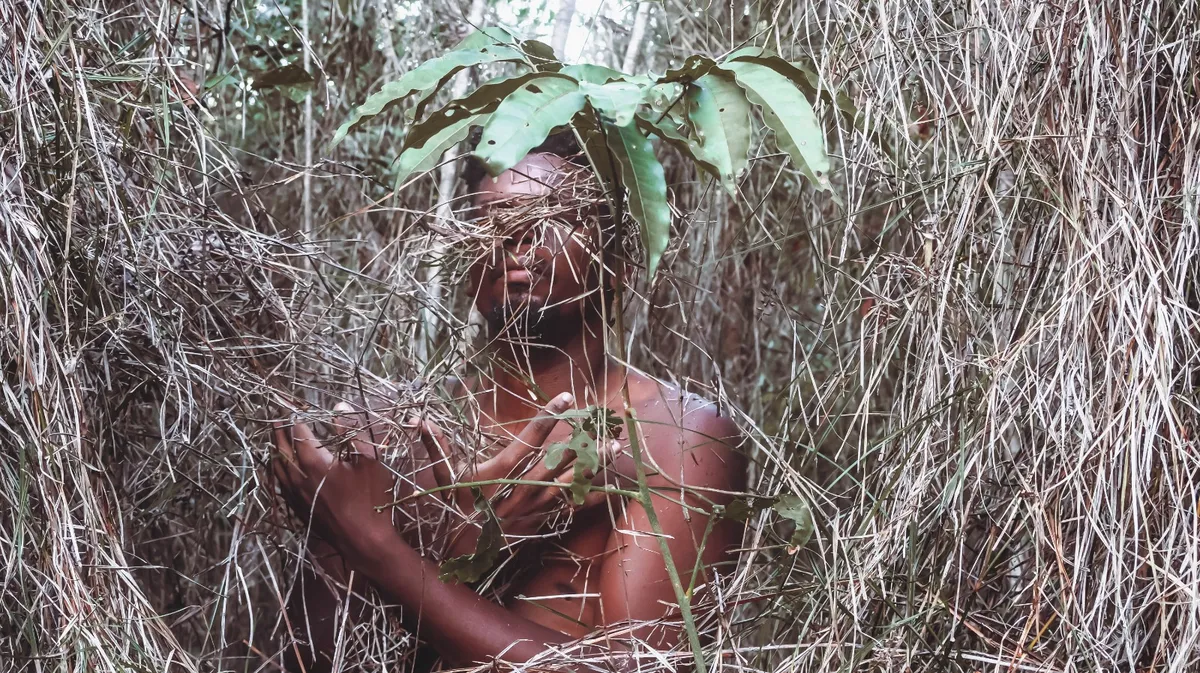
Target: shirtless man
{"x":542,"y":293}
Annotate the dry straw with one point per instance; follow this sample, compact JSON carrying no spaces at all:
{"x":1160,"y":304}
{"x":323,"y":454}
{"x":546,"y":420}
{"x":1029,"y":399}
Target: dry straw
{"x":982,"y":371}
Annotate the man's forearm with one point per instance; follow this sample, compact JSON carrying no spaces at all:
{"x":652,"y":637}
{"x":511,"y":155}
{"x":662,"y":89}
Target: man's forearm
{"x":462,"y":625}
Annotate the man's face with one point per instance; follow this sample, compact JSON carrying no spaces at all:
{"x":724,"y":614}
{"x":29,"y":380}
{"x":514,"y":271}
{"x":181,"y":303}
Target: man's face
{"x":537,"y":276}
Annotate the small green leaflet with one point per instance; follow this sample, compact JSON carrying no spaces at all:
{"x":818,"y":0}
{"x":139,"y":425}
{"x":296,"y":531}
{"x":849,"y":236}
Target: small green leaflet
{"x":525,"y":117}
{"x":471,"y":567}
{"x":423,"y":77}
{"x":789,"y":114}
{"x":646,"y":186}
{"x":598,"y":424}
{"x":796,"y":509}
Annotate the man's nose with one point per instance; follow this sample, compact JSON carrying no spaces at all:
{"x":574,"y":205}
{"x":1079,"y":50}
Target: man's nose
{"x":522,"y":235}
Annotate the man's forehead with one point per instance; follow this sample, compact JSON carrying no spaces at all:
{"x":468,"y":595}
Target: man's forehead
{"x":536,"y":175}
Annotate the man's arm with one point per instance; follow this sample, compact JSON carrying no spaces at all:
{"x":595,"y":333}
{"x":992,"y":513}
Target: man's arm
{"x":347,"y":499}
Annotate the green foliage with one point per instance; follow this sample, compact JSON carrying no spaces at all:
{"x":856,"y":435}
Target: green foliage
{"x":478,"y":48}
{"x":596,"y":424}
{"x":526,"y":117}
{"x":702,"y":108}
{"x":720,"y":114}
{"x":471,"y":567}
{"x":788,"y":113}
{"x":797,"y":510}
{"x":646,"y":189}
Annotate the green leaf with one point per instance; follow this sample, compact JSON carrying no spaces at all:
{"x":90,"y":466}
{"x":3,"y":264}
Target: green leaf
{"x":541,"y":56}
{"x":796,"y":509}
{"x":720,"y":113}
{"x":742,"y":509}
{"x":592,"y":138}
{"x":594,"y":74}
{"x":419,"y":159}
{"x":486,"y":36}
{"x":745,"y":51}
{"x":789,"y":114}
{"x":693,"y":68}
{"x":288,"y":75}
{"x":587,"y":458}
{"x":471,"y":567}
{"x":646,"y":187}
{"x":485,"y":98}
{"x":618,"y":101}
{"x":554,"y":454}
{"x":667,"y":131}
{"x":526,"y":117}
{"x":427,"y":75}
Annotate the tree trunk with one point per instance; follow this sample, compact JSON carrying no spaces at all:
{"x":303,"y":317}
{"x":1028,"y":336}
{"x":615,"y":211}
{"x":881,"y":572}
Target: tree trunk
{"x":635,"y":37}
{"x":562,"y":27}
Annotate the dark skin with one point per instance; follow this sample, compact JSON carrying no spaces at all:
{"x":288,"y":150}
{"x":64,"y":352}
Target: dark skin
{"x":541,"y":290}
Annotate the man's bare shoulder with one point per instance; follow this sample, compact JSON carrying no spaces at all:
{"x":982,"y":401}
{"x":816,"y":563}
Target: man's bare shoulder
{"x":687,"y":434}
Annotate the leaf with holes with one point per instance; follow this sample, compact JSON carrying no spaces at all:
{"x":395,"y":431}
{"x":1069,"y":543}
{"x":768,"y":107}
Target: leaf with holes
{"x":720,"y":113}
{"x":616,"y":101}
{"x":430,"y":73}
{"x":587,"y":458}
{"x":646,"y":186}
{"x":485,"y":98}
{"x":789,"y":114}
{"x":525,"y":118}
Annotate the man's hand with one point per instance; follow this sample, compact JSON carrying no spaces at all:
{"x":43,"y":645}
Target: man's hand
{"x":523,"y":509}
{"x":341,"y":488}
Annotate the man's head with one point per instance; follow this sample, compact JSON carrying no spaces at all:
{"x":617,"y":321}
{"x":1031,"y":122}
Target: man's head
{"x":540,"y":278}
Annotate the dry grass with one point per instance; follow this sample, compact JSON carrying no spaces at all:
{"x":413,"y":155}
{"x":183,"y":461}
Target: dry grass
{"x":983,"y":371}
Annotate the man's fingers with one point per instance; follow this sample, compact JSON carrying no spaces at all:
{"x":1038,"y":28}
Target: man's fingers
{"x":536,"y":431}
{"x":438,"y":448}
{"x":309,"y":453}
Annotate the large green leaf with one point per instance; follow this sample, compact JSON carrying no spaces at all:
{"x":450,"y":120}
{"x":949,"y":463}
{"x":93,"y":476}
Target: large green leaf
{"x":592,"y":138}
{"x":525,"y":117}
{"x":618,"y":101}
{"x":425,"y":76}
{"x":595,"y":74}
{"x":789,"y":114}
{"x":669,"y":133}
{"x":646,"y":188}
{"x":421,"y":158}
{"x":720,"y":114}
{"x":485,"y":98}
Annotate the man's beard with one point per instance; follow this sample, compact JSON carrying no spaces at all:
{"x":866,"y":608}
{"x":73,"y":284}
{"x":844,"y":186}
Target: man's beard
{"x":525,"y":321}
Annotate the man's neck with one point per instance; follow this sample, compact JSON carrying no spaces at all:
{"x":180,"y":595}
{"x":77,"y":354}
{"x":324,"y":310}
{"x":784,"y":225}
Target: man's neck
{"x":528,"y":375}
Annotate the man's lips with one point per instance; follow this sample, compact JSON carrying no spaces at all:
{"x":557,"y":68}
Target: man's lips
{"x":518,"y":277}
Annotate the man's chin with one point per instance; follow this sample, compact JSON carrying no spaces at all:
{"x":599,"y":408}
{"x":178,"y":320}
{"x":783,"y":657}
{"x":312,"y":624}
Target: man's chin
{"x":527,"y":320}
